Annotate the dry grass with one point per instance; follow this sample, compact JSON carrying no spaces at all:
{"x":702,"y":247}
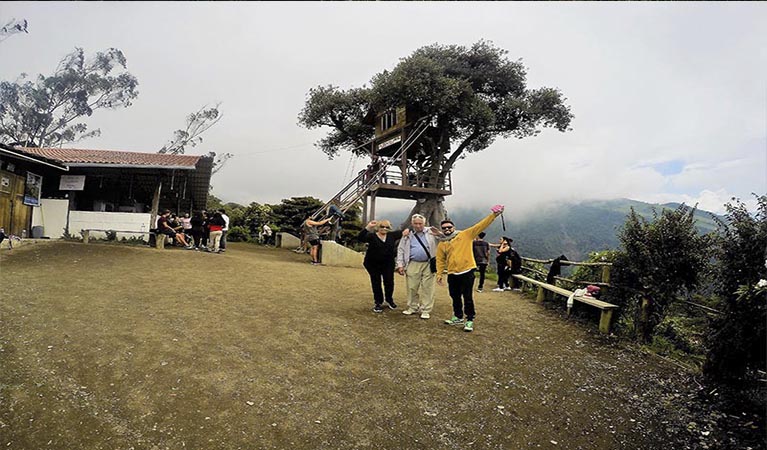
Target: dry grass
{"x":107,"y":346}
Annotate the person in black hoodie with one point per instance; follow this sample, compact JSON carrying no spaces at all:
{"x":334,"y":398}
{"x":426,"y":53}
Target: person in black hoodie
{"x":379,"y":260}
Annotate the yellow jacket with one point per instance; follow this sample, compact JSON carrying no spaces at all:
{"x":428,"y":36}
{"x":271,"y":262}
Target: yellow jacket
{"x":456,"y":255}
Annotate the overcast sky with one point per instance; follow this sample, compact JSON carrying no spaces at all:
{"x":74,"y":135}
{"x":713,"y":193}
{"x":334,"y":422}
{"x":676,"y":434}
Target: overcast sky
{"x":670,"y":99}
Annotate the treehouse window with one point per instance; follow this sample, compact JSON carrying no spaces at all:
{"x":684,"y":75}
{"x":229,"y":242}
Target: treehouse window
{"x":388,"y":120}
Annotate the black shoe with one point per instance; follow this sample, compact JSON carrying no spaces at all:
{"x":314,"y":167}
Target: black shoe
{"x":377,"y":309}
{"x":391,"y":304}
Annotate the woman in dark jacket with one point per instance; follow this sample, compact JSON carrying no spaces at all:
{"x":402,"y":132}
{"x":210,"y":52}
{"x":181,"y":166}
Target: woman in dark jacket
{"x":197,"y":223}
{"x":379,"y":260}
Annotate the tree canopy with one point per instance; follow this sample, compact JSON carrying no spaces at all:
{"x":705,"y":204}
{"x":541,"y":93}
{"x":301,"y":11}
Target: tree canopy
{"x":473,"y":95}
{"x":46,"y":112}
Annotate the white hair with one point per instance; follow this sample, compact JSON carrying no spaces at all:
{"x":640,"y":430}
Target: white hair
{"x":418,"y":216}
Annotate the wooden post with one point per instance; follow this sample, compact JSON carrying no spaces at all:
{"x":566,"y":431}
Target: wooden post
{"x":365,"y":210}
{"x":155,"y":206}
{"x":86,"y":236}
{"x":372,"y":207}
{"x":160,"y":240}
{"x":541,"y":294}
{"x":606,"y":274}
{"x":605,"y":320}
{"x":644,"y":319}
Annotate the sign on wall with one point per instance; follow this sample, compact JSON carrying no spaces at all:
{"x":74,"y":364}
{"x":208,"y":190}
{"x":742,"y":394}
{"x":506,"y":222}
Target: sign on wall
{"x":72,"y":183}
{"x":32,"y":189}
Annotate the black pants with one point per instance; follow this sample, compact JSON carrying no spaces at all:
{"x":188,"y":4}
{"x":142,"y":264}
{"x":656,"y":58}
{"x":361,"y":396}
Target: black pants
{"x":514,"y":282}
{"x":461,"y":286}
{"x":482,"y":268}
{"x":222,"y":246}
{"x":377,"y":275}
{"x":197,"y":236}
{"x":503,"y":277}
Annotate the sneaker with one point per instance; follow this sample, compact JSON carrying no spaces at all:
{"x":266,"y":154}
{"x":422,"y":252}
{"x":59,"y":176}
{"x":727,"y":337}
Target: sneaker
{"x":498,"y":290}
{"x":391,"y":304}
{"x":479,"y":290}
{"x":315,"y":263}
{"x":377,"y":309}
{"x":469,"y":326}
{"x":409,"y":312}
{"x":425,"y":315}
{"x":517,"y":290}
{"x":454,"y":321}
{"x":507,"y":288}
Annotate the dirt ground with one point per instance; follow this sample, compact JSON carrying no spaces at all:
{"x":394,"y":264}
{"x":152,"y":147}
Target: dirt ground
{"x":117,"y":347}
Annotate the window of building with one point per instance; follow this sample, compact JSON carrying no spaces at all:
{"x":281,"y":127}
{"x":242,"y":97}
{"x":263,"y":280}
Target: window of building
{"x":388,"y":120}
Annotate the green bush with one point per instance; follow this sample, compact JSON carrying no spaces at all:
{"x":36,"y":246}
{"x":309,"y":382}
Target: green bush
{"x":238,"y":234}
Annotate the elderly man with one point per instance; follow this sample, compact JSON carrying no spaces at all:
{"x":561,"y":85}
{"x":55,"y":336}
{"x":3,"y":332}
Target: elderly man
{"x":413,"y":255}
{"x":455,"y":256}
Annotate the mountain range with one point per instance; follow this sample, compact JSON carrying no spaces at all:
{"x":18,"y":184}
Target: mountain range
{"x":570,"y":229}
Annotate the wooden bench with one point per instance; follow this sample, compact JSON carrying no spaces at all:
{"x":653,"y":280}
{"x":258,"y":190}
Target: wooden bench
{"x":605,"y":320}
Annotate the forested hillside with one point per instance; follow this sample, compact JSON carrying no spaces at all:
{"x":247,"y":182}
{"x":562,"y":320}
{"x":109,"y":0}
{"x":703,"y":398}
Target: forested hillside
{"x":571,"y":229}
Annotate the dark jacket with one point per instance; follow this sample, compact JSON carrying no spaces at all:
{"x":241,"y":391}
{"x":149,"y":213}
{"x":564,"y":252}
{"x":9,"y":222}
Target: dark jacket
{"x":380,"y":253}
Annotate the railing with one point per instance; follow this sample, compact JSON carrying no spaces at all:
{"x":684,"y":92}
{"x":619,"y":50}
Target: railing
{"x":357,"y":188}
{"x":605,"y":279}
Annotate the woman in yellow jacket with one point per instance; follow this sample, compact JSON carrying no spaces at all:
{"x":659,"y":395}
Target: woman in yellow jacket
{"x":455,"y":256}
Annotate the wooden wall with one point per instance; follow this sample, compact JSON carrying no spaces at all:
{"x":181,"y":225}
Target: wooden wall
{"x":15,"y":216}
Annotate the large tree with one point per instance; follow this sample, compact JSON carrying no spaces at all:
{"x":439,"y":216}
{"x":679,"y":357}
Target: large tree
{"x":472,"y":94}
{"x":48,"y":111}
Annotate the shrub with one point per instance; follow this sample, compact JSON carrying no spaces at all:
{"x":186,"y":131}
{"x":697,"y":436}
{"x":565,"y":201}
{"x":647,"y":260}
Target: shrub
{"x":737,"y":341}
{"x":238,"y":234}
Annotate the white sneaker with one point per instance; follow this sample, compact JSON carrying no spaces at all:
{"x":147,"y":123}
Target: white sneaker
{"x":498,"y":290}
{"x":425,"y":315}
{"x":507,"y":288}
{"x":408,"y":312}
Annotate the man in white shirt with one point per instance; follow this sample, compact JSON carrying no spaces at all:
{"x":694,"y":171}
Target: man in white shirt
{"x":222,"y":248}
{"x":266,"y":234}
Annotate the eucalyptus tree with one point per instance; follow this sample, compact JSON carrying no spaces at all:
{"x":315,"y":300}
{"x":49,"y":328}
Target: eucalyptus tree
{"x":49,"y":111}
{"x":473,"y":96}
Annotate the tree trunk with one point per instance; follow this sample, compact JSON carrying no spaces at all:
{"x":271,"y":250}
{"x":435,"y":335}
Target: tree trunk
{"x":431,"y":207}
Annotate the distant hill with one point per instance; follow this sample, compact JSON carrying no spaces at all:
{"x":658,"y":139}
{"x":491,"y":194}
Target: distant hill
{"x":571,"y":229}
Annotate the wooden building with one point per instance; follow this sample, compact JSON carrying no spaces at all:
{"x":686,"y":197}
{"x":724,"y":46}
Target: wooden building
{"x":104,"y":189}
{"x":17,"y":196}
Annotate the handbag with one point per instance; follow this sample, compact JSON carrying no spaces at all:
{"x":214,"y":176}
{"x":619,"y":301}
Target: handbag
{"x":432,"y":259}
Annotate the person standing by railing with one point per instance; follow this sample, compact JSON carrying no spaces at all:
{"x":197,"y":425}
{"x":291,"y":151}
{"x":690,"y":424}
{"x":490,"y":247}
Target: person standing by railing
{"x":481,"y":249}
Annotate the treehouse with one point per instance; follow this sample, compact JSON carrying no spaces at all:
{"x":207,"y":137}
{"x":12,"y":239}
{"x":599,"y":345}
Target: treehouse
{"x":401,"y":166}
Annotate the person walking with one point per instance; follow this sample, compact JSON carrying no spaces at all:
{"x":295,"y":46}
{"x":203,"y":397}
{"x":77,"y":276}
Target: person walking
{"x":481,"y":249}
{"x":414,"y":253}
{"x":455,"y":257}
{"x":379,"y":260}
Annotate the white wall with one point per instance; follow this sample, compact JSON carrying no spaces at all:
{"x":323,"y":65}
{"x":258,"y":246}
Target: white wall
{"x":118,"y":221}
{"x":52,"y":215}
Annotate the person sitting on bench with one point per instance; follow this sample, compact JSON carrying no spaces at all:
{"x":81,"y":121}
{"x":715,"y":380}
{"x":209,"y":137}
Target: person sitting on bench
{"x":164,"y":228}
